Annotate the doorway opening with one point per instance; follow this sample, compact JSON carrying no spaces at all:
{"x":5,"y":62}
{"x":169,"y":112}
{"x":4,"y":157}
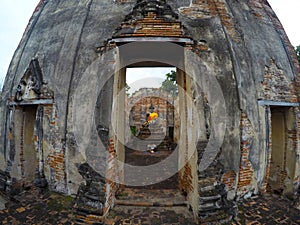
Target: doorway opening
{"x":282,"y":168}
{"x":152,"y":170}
{"x":24,"y":124}
{"x":151,"y":119}
{"x":150,"y":141}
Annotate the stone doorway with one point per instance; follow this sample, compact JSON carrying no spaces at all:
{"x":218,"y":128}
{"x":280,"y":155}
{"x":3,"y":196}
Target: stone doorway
{"x":282,"y":166}
{"x":183,"y":162}
{"x":162,"y":187}
{"x":149,"y":145}
{"x":24,"y":134}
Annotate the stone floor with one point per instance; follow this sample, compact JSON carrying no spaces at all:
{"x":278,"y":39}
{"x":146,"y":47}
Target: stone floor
{"x":268,"y":209}
{"x":33,"y":207}
{"x":165,"y":206}
{"x":150,"y":216}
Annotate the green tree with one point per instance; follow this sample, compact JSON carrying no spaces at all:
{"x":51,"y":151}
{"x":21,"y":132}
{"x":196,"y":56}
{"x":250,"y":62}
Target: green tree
{"x":169,"y":84}
{"x":297,"y":50}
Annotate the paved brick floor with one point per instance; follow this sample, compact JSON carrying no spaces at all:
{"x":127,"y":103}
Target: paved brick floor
{"x":268,"y":209}
{"x":150,"y":216}
{"x":32,"y":207}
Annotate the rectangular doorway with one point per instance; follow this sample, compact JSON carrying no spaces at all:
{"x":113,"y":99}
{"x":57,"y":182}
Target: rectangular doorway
{"x":283,"y":155}
{"x":24,"y":120}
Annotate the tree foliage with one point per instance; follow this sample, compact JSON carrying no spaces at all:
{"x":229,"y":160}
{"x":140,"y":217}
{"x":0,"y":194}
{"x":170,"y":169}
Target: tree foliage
{"x":297,"y":50}
{"x":169,"y":84}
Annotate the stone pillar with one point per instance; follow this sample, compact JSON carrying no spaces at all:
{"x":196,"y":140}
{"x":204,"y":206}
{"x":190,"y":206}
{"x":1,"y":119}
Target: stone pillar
{"x":40,"y":179}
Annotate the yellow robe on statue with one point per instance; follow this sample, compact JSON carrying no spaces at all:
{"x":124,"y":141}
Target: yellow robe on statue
{"x":152,"y":116}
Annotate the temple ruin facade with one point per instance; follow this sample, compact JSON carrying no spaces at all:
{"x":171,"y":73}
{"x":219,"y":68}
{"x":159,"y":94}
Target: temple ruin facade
{"x":65,"y":121}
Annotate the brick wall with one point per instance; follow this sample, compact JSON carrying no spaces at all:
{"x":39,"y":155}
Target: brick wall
{"x":198,"y":9}
{"x":111,"y":176}
{"x":151,"y":26}
{"x":246,"y":173}
{"x":276,"y":86}
{"x":212,"y":8}
{"x":258,"y":10}
{"x":229,"y":179}
{"x":287,"y":44}
{"x":219,"y":7}
{"x":142,"y":100}
{"x":185,"y":180}
{"x":55,"y":160}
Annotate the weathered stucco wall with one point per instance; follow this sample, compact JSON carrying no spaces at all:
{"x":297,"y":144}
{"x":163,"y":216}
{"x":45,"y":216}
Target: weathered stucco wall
{"x":63,"y":35}
{"x":239,"y":45}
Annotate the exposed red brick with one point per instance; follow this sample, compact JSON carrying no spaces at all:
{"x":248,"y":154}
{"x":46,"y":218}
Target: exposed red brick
{"x":186,"y":181}
{"x":142,"y":100}
{"x":57,"y":163}
{"x":56,"y":158}
{"x":111,"y":171}
{"x":276,"y":86}
{"x":246,"y":172}
{"x":151,"y":26}
{"x":229,"y":179}
{"x":219,"y":7}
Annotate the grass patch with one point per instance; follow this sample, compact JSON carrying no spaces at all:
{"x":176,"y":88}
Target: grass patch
{"x":59,"y":202}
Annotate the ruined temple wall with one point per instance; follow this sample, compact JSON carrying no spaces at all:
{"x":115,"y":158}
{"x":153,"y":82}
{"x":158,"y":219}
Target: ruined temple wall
{"x":240,"y":43}
{"x":268,"y":58}
{"x":215,"y":60}
{"x":253,"y":40}
{"x":64,"y":36}
{"x":97,"y":30}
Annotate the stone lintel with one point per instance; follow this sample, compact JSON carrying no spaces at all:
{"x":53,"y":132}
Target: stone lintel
{"x":152,"y":39}
{"x":275,"y":103}
{"x":33,"y":102}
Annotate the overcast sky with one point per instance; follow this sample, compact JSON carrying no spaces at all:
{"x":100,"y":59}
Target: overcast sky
{"x":15,"y":15}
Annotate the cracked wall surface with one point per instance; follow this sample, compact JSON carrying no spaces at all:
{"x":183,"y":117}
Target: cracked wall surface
{"x":241,"y":44}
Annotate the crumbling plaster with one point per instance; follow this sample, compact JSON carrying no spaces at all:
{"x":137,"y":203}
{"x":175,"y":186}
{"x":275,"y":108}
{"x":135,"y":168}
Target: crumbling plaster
{"x":240,"y":43}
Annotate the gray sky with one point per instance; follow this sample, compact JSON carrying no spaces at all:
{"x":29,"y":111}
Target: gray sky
{"x":15,"y":15}
{"x":14,"y":18}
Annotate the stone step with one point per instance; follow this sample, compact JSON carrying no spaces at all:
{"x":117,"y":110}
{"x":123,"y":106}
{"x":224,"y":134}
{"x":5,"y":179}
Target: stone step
{"x":150,"y":215}
{"x":154,"y":203}
{"x":151,"y":141}
{"x":94,"y":197}
{"x":85,"y":211}
{"x":150,"y":197}
{"x":211,"y":206}
{"x":84,"y":216}
{"x":209,"y":194}
{"x":204,"y":199}
{"x":207,"y":188}
{"x":151,"y":137}
{"x":207,"y":181}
